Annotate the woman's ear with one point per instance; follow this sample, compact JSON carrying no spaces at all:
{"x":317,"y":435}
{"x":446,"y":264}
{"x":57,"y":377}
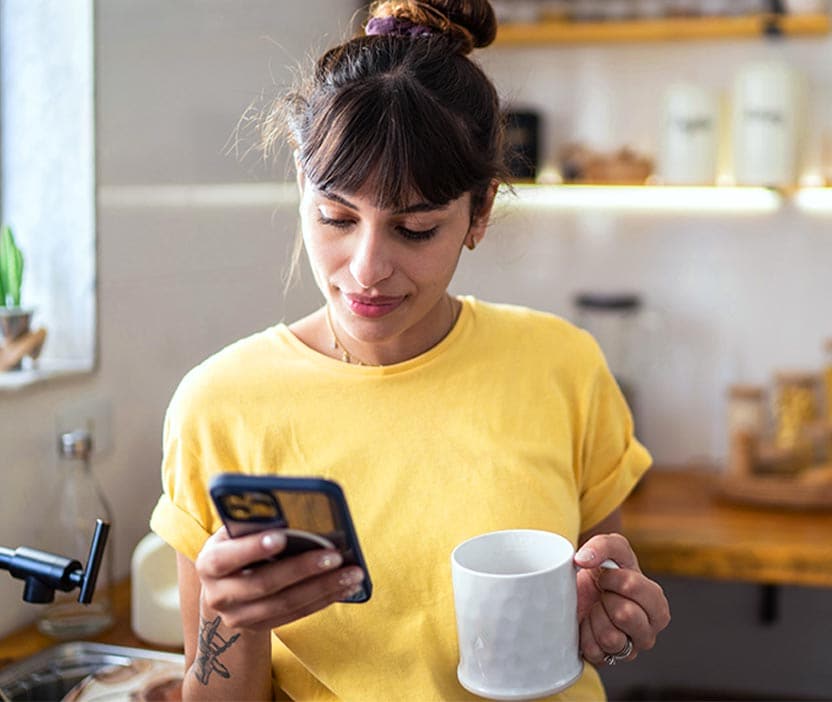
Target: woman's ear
{"x":479,"y":222}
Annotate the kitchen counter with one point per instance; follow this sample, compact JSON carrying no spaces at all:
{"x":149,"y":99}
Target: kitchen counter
{"x":679,"y":525}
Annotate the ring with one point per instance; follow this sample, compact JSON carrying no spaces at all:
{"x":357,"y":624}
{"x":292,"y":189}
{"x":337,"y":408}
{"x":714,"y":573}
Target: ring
{"x":624,"y":653}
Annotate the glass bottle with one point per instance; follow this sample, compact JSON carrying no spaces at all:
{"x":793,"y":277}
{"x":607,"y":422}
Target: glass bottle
{"x":76,"y":503}
{"x":746,"y":427}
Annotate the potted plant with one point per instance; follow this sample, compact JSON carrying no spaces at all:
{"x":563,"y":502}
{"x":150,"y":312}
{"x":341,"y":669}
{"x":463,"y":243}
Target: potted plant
{"x":15,"y":321}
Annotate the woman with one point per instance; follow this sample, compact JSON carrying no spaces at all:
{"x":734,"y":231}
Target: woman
{"x":441,"y":417}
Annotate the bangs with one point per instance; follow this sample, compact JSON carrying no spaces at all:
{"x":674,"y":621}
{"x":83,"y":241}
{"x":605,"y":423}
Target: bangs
{"x":387,"y":134}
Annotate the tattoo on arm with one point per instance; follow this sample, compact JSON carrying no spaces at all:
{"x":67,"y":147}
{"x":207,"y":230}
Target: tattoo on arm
{"x":211,"y":645}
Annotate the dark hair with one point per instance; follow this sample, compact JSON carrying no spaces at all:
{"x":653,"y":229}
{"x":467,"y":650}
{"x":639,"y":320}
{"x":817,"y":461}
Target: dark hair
{"x":405,"y":113}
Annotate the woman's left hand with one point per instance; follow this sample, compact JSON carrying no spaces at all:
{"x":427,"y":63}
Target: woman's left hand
{"x":618,"y":609}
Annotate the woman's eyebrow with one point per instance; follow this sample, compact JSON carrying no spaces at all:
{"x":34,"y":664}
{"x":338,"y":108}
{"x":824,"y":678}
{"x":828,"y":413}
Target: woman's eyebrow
{"x":337,"y":198}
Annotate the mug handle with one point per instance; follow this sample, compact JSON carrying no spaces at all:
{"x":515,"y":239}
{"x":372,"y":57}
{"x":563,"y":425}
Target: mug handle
{"x":609,"y":564}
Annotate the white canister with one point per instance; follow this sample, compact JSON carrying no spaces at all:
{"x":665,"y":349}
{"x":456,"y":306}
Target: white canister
{"x":767,"y":124}
{"x":155,"y":616}
{"x":689,"y":135}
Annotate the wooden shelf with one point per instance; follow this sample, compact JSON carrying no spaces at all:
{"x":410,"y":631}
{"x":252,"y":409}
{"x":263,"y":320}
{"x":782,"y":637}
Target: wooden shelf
{"x":669,"y":29}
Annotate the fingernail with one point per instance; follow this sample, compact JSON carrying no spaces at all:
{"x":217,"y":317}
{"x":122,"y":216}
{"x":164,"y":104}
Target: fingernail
{"x":585,"y":554}
{"x":351,"y":577}
{"x":330,"y":560}
{"x":272,"y":540}
{"x":354,"y":590}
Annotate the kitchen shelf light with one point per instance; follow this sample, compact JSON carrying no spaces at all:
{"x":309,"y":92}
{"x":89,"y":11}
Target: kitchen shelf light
{"x":646,"y":198}
{"x":816,"y":200}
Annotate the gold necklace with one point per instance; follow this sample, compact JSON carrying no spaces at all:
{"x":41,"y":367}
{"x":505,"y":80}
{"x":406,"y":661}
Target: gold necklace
{"x":346,"y":356}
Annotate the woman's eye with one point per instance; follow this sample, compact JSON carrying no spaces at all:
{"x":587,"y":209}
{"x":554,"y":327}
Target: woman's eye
{"x":417,"y":234}
{"x":339,"y":223}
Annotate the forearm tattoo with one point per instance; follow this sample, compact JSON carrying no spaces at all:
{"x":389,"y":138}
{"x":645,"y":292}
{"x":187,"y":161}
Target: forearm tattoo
{"x":211,"y":646}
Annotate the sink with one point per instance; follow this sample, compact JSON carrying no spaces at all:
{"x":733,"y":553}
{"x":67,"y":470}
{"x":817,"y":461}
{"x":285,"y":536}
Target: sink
{"x":52,"y":673}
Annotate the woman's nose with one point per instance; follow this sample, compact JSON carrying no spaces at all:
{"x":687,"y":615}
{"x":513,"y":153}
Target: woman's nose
{"x":371,"y":260}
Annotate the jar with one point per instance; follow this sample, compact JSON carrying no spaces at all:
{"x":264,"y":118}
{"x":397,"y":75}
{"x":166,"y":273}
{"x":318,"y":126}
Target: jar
{"x":689,"y":138}
{"x":767,"y":124}
{"x":796,"y":410}
{"x":614,"y":320}
{"x":746,"y":427}
{"x":76,"y":502}
{"x":747,"y":410}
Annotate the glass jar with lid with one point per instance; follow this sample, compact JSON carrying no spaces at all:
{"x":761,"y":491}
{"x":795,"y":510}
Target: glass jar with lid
{"x":796,"y":411}
{"x":614,"y":320}
{"x":747,"y":426}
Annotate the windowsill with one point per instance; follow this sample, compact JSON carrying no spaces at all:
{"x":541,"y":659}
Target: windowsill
{"x":44,"y":370}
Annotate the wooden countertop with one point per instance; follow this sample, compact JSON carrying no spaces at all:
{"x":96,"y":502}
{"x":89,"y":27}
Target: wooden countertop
{"x":28,"y":640}
{"x":678,"y":525}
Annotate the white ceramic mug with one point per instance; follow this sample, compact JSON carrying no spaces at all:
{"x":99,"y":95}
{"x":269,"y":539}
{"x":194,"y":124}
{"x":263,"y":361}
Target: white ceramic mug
{"x":515,"y":595}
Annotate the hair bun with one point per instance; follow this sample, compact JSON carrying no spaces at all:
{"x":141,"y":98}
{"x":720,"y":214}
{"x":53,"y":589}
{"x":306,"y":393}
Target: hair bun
{"x":472,"y":22}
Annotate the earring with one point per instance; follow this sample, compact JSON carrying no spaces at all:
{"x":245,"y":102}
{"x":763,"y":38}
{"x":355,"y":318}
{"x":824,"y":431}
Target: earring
{"x":472,"y":243}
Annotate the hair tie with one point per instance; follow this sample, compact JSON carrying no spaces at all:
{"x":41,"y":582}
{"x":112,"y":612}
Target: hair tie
{"x":390,"y":25}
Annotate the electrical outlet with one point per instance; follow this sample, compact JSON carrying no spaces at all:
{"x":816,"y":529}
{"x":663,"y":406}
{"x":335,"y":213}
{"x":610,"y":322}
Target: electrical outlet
{"x":95,"y":414}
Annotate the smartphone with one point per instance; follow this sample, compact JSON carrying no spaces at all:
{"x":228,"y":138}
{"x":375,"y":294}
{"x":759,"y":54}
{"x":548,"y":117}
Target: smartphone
{"x":313,"y":513}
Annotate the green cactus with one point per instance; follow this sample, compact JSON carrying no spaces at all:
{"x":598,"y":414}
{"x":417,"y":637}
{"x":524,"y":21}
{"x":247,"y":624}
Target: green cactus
{"x":11,"y":269}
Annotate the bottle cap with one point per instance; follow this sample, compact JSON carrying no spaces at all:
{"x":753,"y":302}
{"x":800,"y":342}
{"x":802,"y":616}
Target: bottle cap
{"x":75,"y":444}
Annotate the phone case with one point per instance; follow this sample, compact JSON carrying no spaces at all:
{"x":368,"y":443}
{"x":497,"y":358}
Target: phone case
{"x":313,"y":512}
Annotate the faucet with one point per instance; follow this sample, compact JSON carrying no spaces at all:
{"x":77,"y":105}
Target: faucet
{"x":44,"y":572}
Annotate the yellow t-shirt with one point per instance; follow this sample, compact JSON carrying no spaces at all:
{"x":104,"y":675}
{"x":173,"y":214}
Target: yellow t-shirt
{"x":512,"y":421}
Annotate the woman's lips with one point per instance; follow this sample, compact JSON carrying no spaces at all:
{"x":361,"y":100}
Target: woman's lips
{"x":372,"y":306}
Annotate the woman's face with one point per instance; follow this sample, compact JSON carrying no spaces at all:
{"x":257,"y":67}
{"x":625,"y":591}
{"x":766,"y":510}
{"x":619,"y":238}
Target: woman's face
{"x":385,"y":273}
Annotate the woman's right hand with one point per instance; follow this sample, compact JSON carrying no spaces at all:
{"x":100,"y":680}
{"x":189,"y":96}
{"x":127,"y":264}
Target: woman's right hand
{"x":273,"y":593}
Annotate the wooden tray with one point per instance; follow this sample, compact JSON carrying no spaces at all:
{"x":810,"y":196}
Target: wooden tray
{"x":811,"y":489}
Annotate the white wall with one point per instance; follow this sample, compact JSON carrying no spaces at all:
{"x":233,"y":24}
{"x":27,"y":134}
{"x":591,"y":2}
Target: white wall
{"x":174,"y":284}
{"x":740,"y":297}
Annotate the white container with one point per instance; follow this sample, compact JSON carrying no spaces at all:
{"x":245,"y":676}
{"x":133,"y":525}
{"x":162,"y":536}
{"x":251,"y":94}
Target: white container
{"x":767,"y":124}
{"x":155,"y":616}
{"x":690,"y":136}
